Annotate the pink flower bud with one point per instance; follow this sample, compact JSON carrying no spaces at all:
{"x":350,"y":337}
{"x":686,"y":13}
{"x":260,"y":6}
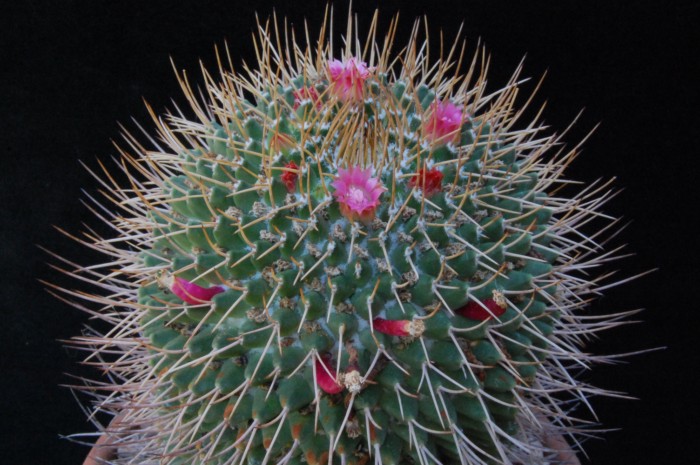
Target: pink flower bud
{"x":412,"y":328}
{"x":307,"y":93}
{"x":444,"y":122}
{"x":281,"y":141}
{"x":192,"y":293}
{"x":324,"y":379}
{"x":347,"y":78}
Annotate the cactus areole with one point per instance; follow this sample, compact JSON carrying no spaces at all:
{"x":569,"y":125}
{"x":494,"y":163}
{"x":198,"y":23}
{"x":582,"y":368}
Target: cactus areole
{"x":345,"y":256}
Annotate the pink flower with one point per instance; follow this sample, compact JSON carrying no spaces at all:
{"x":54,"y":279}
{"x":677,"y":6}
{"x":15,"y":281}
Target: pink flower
{"x":193,"y":293}
{"x":307,"y":93}
{"x":444,"y":122}
{"x":430,"y":181}
{"x":347,"y":78}
{"x":357,"y":193}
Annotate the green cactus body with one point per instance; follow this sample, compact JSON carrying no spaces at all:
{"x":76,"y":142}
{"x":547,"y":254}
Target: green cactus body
{"x":269,"y":320}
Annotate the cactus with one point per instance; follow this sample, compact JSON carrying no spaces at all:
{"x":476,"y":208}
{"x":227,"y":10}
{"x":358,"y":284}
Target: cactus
{"x":346,"y":257}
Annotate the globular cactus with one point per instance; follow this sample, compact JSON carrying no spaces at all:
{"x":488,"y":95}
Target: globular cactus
{"x":346,"y":257}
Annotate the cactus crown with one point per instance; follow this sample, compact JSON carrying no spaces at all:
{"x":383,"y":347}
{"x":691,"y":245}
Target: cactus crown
{"x":346,"y":257}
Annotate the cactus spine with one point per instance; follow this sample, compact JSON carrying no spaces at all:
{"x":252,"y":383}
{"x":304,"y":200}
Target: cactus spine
{"x":346,"y":258}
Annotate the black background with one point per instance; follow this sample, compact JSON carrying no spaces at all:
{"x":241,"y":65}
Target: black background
{"x":71,"y":70}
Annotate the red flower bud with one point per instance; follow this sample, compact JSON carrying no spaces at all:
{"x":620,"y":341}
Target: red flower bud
{"x":289,"y":178}
{"x":429,"y":181}
{"x":476,"y":310}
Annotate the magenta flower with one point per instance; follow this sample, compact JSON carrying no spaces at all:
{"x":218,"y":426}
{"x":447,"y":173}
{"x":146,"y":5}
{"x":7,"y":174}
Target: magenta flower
{"x":444,"y":122}
{"x":358,"y":193}
{"x":347,"y":78}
